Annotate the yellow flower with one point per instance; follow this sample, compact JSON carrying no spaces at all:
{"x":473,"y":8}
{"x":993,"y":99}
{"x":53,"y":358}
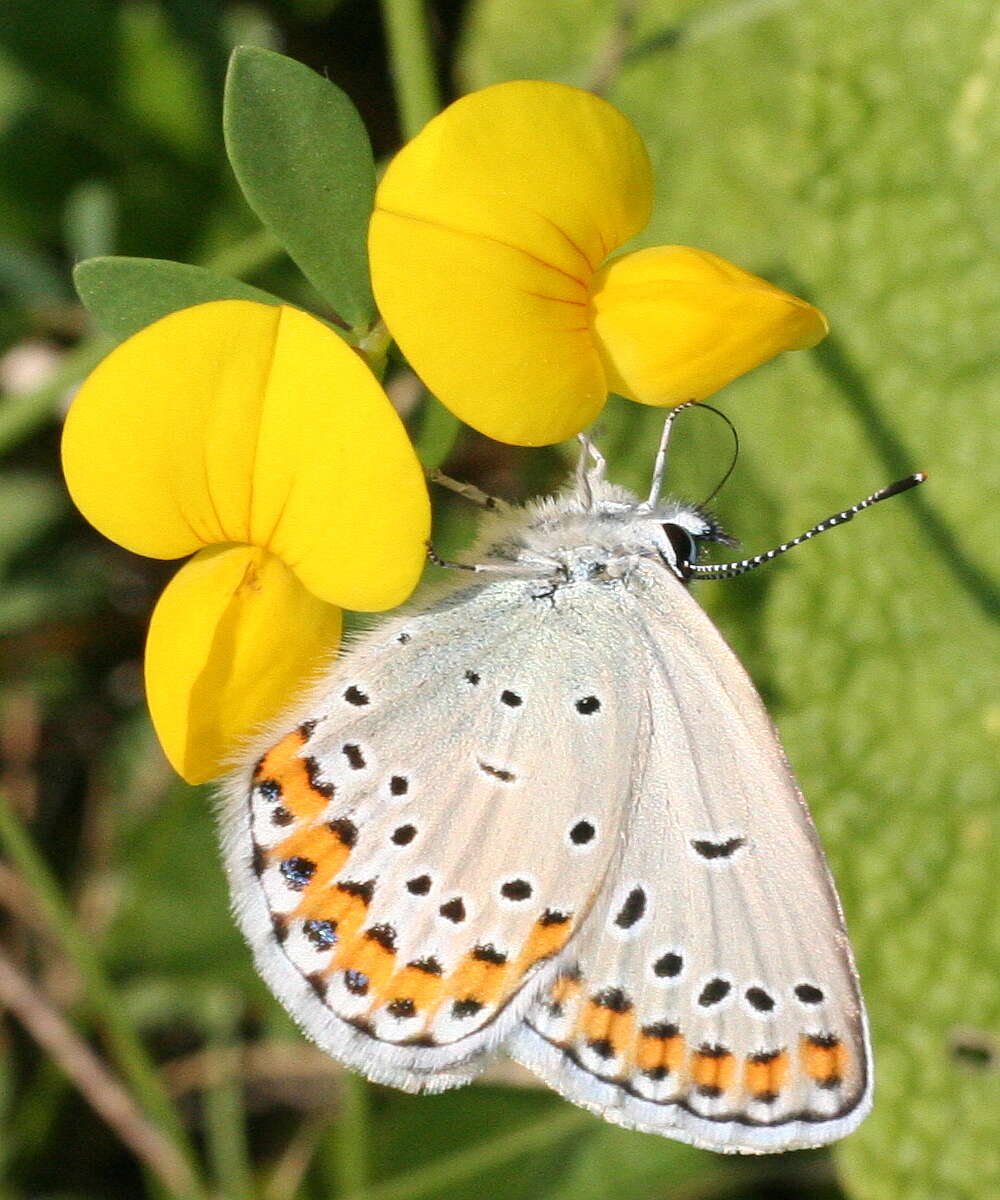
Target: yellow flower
{"x":489,"y":249}
{"x":253,"y":436}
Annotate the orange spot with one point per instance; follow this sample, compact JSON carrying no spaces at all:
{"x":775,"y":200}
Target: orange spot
{"x":318,"y":843}
{"x":598,"y":1023}
{"x":278,"y":757}
{"x":653,"y":1051}
{"x":825,"y":1059}
{"x":476,"y":979}
{"x":420,"y":987}
{"x":547,"y":937}
{"x":766,"y":1076}
{"x":298,"y":793}
{"x":371,"y":959}
{"x":345,"y":910}
{"x":712,"y":1069}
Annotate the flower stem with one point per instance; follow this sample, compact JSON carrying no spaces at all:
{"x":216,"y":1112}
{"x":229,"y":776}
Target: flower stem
{"x":129,"y":1053}
{"x":412,"y":62}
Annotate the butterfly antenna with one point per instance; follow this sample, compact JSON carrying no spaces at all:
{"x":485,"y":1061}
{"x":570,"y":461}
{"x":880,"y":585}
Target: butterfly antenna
{"x":660,"y":465}
{"x":732,"y":569}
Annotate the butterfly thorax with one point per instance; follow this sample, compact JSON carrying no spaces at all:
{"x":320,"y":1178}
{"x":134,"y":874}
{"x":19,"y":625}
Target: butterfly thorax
{"x":599,"y":534}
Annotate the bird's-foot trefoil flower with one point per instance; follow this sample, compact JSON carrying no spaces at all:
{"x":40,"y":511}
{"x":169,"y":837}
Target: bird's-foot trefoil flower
{"x":252,"y":437}
{"x":491,"y":252}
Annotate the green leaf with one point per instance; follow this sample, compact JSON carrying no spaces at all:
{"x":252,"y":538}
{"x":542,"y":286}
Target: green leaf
{"x":125,"y":295}
{"x":304,"y":162}
{"x":634,"y":1166}
{"x":843,"y":154}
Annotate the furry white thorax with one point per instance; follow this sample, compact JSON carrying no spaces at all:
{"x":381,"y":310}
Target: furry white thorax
{"x":596,"y":533}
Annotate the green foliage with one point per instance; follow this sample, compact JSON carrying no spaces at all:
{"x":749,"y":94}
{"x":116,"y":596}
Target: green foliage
{"x":126,"y":294}
{"x":843,"y":153}
{"x":305,"y":165}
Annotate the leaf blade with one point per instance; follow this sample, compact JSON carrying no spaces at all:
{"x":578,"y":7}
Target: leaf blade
{"x":302,"y":157}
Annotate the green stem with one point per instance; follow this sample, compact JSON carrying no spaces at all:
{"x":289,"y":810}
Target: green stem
{"x":225,"y":1111}
{"x":438,"y":1177}
{"x":346,"y":1150}
{"x":411,"y":57}
{"x":128,"y":1051}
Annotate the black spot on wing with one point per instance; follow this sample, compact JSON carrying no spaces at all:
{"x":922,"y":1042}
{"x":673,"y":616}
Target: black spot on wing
{"x":500,"y":773}
{"x":453,"y":910}
{"x":759,"y":1000}
{"x":667,"y":966}
{"x":712,"y":850}
{"x":715,"y":991}
{"x":632,"y":910}
{"x":614,"y":999}
{"x":355,"y":758}
{"x":297,"y":871}
{"x":582,"y":833}
{"x":316,"y":781}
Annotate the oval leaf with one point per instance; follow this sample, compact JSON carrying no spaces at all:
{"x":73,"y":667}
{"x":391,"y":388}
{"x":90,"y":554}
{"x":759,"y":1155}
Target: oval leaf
{"x":125,"y":295}
{"x":304,"y":162}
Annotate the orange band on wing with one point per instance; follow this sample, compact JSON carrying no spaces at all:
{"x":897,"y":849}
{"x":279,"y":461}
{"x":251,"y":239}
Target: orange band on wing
{"x":548,"y":936}
{"x":301,"y":794}
{"x":713,"y":1069}
{"x":825,"y":1059}
{"x":660,"y":1048}
{"x":765,"y":1074}
{"x":478,"y":978}
{"x":417,"y":984}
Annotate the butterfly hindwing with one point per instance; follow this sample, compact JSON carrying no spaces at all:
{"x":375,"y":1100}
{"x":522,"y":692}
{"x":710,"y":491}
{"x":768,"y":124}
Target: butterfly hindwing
{"x":411,"y":857}
{"x":710,"y":993}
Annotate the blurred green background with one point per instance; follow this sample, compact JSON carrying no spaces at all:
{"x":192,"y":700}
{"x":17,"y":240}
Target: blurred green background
{"x":846,"y":149}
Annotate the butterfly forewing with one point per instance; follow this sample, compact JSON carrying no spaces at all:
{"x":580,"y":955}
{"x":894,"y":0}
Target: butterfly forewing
{"x":710,"y":993}
{"x":413,"y":854}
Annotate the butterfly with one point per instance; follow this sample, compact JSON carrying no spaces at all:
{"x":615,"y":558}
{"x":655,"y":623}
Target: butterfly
{"x":546,"y":813}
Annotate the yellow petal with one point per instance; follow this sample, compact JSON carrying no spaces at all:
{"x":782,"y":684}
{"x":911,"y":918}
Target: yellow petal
{"x":487,"y":230}
{"x":507,"y":349}
{"x":676,"y":324}
{"x":243,"y":422}
{"x":233,"y":641}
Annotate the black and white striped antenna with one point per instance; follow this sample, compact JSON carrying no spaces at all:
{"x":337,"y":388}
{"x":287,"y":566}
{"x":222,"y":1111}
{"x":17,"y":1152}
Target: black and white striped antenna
{"x":731,"y":569}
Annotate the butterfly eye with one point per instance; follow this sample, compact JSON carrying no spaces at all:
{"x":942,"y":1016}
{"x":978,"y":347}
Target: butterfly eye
{"x":683,"y":545}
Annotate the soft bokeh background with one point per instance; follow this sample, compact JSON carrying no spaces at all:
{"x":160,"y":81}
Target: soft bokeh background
{"x":848,"y":150}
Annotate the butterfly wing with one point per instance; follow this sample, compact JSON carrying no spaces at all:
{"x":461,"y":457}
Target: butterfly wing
{"x":411,"y":856}
{"x":710,"y":994}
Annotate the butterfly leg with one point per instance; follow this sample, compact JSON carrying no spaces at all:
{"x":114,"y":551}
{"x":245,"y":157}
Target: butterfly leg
{"x":586,"y":475}
{"x":469,"y":491}
{"x":527,"y":568}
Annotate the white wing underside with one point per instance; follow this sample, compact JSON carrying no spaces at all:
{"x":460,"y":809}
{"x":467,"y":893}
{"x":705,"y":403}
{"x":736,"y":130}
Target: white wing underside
{"x":740,"y":956}
{"x":500,"y":768}
{"x":662,"y":824}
